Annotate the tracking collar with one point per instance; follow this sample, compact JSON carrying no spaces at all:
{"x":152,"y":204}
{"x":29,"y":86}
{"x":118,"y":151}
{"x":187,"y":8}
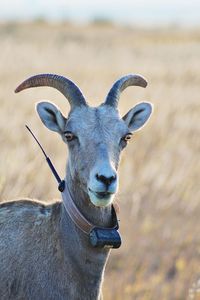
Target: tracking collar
{"x":102,"y":237}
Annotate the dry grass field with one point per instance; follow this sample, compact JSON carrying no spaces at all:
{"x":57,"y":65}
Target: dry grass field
{"x":159,"y":192}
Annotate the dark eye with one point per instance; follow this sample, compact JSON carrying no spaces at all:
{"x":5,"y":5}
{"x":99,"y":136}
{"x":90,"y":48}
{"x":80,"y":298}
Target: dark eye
{"x":127,"y":137}
{"x":69,"y":136}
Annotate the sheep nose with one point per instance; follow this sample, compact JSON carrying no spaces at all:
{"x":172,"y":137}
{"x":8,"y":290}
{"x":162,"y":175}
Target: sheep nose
{"x":106,"y":180}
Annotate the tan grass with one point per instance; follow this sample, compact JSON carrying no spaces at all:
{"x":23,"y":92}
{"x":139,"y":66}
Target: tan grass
{"x":160,"y":170}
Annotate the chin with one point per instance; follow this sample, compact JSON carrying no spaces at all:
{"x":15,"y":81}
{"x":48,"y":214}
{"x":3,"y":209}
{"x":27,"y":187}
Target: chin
{"x":101,"y":200}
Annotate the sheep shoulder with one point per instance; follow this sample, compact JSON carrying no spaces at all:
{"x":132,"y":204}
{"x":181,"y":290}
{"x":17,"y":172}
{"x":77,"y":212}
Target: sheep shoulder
{"x":30,"y":248}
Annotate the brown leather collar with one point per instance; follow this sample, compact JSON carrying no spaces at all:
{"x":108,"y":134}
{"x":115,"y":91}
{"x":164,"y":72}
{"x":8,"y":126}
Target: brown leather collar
{"x":77,"y":217}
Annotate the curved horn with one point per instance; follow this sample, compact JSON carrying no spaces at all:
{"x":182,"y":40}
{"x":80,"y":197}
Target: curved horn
{"x":62,"y":84}
{"x":120,"y":85}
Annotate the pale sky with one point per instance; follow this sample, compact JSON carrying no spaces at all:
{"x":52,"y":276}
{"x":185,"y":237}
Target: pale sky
{"x":184,"y":12}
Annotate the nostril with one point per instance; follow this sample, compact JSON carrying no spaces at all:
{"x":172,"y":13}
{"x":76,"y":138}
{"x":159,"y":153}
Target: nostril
{"x":113,"y":178}
{"x":106,"y":180}
{"x":100,"y":177}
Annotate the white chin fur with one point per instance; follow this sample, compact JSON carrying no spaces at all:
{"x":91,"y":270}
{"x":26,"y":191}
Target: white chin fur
{"x":100,"y":202}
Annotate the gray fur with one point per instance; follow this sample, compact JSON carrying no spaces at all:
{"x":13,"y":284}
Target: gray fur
{"x":43,"y":255}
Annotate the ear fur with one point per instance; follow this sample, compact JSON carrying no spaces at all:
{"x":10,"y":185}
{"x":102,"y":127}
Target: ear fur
{"x":51,"y":116}
{"x":138,"y":116}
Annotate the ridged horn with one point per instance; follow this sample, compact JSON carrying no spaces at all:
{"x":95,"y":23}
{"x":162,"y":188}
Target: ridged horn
{"x":62,"y":84}
{"x":121,"y":84}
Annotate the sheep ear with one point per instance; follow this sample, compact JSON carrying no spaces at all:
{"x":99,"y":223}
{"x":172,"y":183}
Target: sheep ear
{"x":51,"y":116}
{"x":138,"y":116}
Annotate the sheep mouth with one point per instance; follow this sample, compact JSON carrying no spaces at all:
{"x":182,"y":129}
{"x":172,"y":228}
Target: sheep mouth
{"x":101,"y":195}
{"x":100,"y":199}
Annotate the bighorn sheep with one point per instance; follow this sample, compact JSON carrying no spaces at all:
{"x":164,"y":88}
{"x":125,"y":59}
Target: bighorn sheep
{"x":43,"y":253}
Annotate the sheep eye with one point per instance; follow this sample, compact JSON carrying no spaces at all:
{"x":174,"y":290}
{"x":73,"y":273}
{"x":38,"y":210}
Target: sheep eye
{"x":69,"y":136}
{"x":127,"y":137}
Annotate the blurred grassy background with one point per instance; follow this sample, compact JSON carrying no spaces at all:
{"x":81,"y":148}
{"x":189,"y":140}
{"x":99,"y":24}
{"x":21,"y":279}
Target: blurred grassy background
{"x":160,"y":183}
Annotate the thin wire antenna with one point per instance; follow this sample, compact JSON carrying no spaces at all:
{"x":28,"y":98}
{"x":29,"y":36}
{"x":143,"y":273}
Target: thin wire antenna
{"x":61,"y":183}
{"x":36,"y":140}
